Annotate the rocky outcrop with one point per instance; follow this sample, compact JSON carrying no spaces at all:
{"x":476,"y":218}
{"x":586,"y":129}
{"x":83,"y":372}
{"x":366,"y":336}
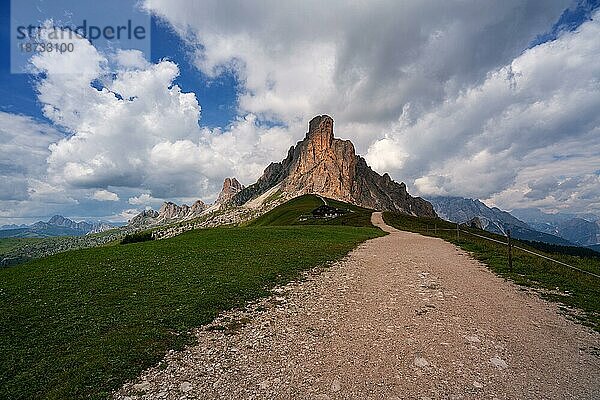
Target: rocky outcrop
{"x":475,"y":223}
{"x":231,"y":187}
{"x":322,"y":164}
{"x":197,"y":208}
{"x":146,"y":217}
{"x":168,"y":212}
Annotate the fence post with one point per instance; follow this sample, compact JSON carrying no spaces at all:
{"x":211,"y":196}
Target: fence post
{"x":457,"y":231}
{"x":510,"y":267}
{"x":435,"y":229}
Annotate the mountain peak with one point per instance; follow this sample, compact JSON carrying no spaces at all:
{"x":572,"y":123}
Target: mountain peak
{"x":169,"y":211}
{"x":58,"y":220}
{"x":320,"y":129}
{"x":231,"y":187}
{"x":321,"y":164}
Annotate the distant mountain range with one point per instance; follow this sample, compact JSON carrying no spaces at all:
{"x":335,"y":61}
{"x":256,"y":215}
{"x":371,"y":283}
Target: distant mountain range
{"x":462,"y":210}
{"x":583,"y":230}
{"x":526,"y":224}
{"x":56,"y":226}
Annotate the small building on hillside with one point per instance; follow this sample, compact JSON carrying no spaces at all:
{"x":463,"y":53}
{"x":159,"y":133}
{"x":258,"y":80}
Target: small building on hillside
{"x":326,"y":211}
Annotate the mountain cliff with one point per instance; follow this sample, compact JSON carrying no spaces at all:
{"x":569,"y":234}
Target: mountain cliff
{"x":322,"y":164}
{"x":231,"y":187}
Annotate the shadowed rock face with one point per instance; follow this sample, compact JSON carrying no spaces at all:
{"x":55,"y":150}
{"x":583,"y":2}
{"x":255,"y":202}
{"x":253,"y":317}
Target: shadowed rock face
{"x":231,"y":187}
{"x":321,"y":164}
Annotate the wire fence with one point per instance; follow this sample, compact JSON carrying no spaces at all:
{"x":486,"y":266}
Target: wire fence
{"x":510,"y":246}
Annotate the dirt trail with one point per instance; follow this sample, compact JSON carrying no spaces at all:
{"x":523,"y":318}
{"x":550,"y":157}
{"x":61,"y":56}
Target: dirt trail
{"x":403,"y":316}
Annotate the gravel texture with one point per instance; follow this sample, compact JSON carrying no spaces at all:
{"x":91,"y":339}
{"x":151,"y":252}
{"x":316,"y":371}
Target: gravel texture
{"x":402,"y":317}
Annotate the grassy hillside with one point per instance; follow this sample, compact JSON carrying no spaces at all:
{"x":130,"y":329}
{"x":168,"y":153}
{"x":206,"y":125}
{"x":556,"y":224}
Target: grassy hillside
{"x":291,"y":213}
{"x":554,"y":281}
{"x":9,"y":244}
{"x":19,"y":250}
{"x":47,"y":231}
{"x":78,"y":324}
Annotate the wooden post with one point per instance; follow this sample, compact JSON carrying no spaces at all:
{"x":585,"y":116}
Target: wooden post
{"x":510,"y":267}
{"x":457,"y":231}
{"x":435,"y":229}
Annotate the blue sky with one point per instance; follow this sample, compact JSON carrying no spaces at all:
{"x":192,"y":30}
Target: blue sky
{"x":218,"y":95}
{"x":438,"y":95}
{"x":569,"y":20}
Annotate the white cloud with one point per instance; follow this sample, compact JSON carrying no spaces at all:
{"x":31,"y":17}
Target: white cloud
{"x":144,"y":199}
{"x":24,"y":147}
{"x":105,"y":195}
{"x":141,"y":131}
{"x":533,"y":118}
{"x":127,"y":214}
{"x":441,"y":95}
{"x":44,"y":193}
{"x":360,"y":62}
{"x":130,"y":59}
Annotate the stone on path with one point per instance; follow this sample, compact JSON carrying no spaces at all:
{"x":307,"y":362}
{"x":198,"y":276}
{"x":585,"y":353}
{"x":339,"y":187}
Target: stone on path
{"x":421,"y":362}
{"x":498,"y":363}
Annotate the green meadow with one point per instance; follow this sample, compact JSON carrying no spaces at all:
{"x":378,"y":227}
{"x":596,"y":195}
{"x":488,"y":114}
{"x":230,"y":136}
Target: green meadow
{"x":79,"y":324}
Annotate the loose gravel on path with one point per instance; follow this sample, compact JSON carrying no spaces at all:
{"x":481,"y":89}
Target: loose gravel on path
{"x":402,"y":317}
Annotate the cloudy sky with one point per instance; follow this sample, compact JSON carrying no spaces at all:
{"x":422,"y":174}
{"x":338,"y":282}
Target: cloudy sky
{"x":492,"y":100}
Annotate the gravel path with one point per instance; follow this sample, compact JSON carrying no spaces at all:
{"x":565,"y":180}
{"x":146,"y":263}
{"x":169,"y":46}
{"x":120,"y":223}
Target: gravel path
{"x":403,"y":316}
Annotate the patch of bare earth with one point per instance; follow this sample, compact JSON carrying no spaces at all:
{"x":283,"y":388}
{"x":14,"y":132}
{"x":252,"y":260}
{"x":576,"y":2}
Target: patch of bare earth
{"x":403,"y":316}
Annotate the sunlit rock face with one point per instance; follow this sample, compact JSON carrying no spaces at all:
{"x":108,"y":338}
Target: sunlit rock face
{"x":322,"y":164}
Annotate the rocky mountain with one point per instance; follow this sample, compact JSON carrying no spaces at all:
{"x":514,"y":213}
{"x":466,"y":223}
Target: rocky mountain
{"x":322,"y":164}
{"x":231,"y":187}
{"x":491,"y":219}
{"x":583,"y":230}
{"x":462,"y":210}
{"x":319,"y":164}
{"x":168,"y":212}
{"x":144,"y":218}
{"x":57,"y":226}
{"x":580,"y":231}
{"x":59,"y":220}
